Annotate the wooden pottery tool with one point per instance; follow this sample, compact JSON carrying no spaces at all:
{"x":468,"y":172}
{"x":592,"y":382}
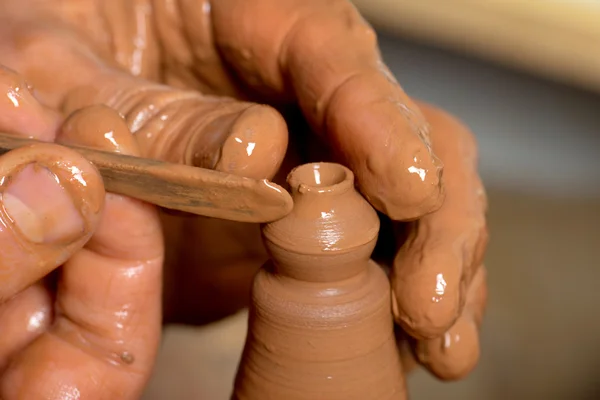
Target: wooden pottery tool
{"x":180,"y":187}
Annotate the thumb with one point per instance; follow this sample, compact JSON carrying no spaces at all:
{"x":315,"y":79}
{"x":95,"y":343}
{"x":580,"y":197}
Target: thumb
{"x":50,"y":203}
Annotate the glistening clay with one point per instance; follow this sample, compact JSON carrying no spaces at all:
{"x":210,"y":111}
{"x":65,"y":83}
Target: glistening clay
{"x":438,"y":269}
{"x":320,"y":319}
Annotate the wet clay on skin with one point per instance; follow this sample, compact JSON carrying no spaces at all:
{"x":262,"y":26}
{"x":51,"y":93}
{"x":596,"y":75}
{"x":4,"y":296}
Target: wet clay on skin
{"x":396,"y":170}
{"x":320,"y":318}
{"x":186,"y":127}
{"x":267,"y":43}
{"x":438,"y":270}
{"x":173,"y":186}
{"x":45,"y":164}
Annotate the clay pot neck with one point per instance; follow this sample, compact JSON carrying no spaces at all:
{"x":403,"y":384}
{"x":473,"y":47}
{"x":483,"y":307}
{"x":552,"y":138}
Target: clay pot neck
{"x":320,"y":179}
{"x":331,"y":232}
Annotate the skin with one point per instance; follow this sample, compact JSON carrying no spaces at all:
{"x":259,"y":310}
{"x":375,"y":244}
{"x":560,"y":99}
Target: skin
{"x":329,"y":333}
{"x":323,"y":73}
{"x":80,"y":289}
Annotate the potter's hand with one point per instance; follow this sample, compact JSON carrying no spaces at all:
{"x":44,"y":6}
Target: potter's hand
{"x":319,"y":55}
{"x":322,"y":56}
{"x":438,"y":280}
{"x":80,"y":271}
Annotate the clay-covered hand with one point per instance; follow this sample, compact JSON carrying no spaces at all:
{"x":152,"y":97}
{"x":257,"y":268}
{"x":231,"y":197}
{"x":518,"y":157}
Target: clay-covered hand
{"x":319,"y":56}
{"x":438,"y":280}
{"x":80,"y":269}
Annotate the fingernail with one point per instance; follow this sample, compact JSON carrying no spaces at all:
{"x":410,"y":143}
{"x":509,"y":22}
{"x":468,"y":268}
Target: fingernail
{"x":40,"y":208}
{"x":253,"y":142}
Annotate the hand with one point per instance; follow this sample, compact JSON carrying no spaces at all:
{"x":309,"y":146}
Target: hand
{"x":320,"y":56}
{"x":80,"y":270}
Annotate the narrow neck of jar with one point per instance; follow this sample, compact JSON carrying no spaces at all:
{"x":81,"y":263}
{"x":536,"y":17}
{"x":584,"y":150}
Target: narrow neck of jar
{"x":320,"y":179}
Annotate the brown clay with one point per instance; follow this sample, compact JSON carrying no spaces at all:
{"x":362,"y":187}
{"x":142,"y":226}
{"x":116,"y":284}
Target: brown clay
{"x":24,"y":317}
{"x":320,"y":319}
{"x":173,"y":186}
{"x":443,"y":249}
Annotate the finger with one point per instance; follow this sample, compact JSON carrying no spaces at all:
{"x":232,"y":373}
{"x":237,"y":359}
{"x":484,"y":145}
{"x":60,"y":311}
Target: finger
{"x":108,"y":302}
{"x":28,"y":313}
{"x":435,"y":265}
{"x":20,"y":112}
{"x":200,"y":65}
{"x":326,"y":56}
{"x":407,"y":356}
{"x":454,"y":355}
{"x":189,"y":128}
{"x":51,"y":199}
{"x":173,"y":125}
{"x":22,"y":319}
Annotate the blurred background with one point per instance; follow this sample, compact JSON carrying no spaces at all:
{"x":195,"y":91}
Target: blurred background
{"x":535,"y":109}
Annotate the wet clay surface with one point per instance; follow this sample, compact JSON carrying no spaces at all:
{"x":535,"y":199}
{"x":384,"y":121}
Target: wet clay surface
{"x":445,"y":248}
{"x":533,"y":241}
{"x":173,"y":186}
{"x":320,"y":324}
{"x":88,"y":312}
{"x":45,"y":164}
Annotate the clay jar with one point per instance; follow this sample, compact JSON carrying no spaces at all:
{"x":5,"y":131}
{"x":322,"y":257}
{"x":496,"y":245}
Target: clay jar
{"x":320,"y":322}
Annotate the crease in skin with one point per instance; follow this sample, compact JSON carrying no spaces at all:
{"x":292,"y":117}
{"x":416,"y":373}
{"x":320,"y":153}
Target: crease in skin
{"x":419,"y":125}
{"x":379,"y":162}
{"x":414,"y":177}
{"x":107,"y":334}
{"x":52,"y":219}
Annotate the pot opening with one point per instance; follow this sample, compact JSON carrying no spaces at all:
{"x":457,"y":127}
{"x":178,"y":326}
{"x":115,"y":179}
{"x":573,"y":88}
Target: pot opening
{"x":320,"y":176}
